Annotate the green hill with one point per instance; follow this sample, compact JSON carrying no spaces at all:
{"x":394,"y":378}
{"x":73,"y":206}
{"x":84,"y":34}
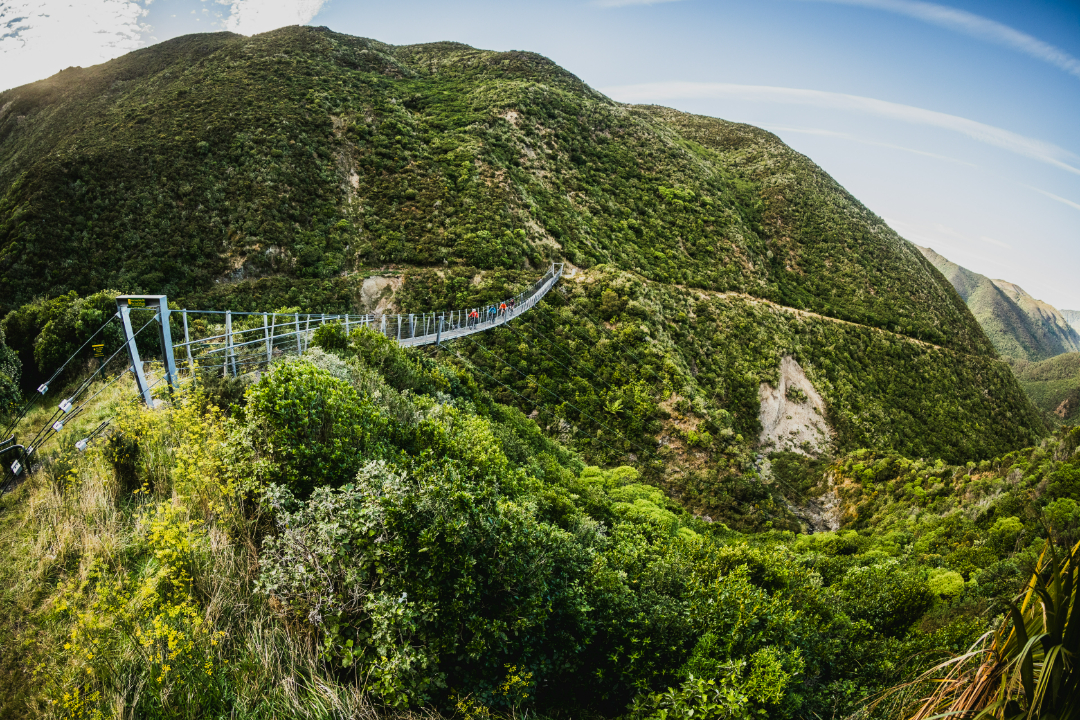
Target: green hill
{"x":309,"y":169}
{"x":1054,"y":386}
{"x":1018,"y":325}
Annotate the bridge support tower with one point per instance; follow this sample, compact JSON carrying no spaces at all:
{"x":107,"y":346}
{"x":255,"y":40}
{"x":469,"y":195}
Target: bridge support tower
{"x":124,"y":304}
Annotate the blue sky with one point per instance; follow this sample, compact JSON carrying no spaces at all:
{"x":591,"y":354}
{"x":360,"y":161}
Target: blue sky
{"x":957,"y":122}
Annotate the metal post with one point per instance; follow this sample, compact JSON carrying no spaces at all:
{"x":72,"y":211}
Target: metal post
{"x":133,"y":354}
{"x":299,"y":347}
{"x":412,"y":325}
{"x":438,"y":333}
{"x":187,"y":344}
{"x":307,"y":331}
{"x":229,"y":344}
{"x":346,"y":327}
{"x":266,"y":334}
{"x":165,"y":335}
{"x":399,"y":327}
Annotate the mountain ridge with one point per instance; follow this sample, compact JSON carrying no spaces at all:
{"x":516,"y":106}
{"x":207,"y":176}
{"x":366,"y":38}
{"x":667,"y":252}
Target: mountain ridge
{"x":291,"y":169}
{"x":1020,"y":326}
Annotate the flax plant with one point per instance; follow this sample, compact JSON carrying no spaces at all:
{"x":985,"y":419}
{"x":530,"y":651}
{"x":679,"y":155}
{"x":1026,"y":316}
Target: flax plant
{"x":1029,"y":668}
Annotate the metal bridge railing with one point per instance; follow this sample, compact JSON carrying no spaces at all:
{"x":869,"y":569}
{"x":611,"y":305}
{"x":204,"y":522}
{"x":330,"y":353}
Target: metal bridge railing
{"x":243,"y":341}
{"x":248,"y":344}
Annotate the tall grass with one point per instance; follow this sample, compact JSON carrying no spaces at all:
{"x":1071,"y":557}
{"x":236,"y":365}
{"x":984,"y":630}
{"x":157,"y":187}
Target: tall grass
{"x":139,"y":602}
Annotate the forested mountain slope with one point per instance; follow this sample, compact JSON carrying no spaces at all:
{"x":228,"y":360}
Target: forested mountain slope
{"x":1020,"y":326}
{"x":1053,"y":386}
{"x":307,"y":169}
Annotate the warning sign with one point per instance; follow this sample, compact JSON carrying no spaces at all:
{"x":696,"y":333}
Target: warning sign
{"x":99,"y":350}
{"x":136,"y":302}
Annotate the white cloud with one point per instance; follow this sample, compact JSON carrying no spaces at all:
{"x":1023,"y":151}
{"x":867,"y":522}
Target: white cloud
{"x":992,"y":241}
{"x":1052,"y":196}
{"x":975,"y":26}
{"x":249,"y":17}
{"x":41,"y":37}
{"x":625,"y":3}
{"x":1004,"y":139}
{"x":863,"y":141}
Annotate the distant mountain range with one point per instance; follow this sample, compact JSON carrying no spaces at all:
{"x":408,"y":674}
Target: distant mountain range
{"x":1019,"y":326}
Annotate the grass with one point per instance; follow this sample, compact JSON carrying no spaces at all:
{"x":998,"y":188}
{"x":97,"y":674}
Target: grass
{"x":74,"y":527}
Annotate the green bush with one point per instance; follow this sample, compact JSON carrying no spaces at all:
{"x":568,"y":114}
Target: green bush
{"x":424,"y":583}
{"x":312,"y":429}
{"x":888,"y":596}
{"x":945,"y":583}
{"x":10,"y":373}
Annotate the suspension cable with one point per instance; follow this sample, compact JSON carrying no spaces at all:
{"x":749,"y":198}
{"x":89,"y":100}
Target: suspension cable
{"x":60,"y":411}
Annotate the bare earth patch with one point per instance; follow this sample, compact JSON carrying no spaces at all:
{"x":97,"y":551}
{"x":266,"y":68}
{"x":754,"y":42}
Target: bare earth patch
{"x":793,"y":415}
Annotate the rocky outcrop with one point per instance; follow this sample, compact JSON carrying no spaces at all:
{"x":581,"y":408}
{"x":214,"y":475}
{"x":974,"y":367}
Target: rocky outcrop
{"x":792,"y":414}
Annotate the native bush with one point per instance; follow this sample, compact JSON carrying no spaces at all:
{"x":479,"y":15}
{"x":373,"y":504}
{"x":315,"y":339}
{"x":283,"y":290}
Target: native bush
{"x":889,"y":596}
{"x":311,"y":428}
{"x":424,"y":581}
{"x":10,"y":374}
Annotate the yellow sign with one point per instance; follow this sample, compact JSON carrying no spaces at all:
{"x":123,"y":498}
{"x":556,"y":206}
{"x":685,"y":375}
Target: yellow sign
{"x":136,"y":302}
{"x":99,"y":350}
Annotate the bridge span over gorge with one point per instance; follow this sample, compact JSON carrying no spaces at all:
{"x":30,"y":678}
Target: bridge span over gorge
{"x":231,"y":342}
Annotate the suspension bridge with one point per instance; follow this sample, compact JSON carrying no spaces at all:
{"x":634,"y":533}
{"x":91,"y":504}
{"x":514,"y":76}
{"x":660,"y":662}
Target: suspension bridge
{"x":234,"y":343}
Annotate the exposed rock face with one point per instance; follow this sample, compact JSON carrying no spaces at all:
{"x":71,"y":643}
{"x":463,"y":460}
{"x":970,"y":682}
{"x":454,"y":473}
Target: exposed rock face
{"x":377,"y":293}
{"x":793,"y":414}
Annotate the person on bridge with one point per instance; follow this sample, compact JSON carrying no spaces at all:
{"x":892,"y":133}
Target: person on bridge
{"x":474,"y":318}
{"x":502,"y":309}
{"x":513,"y":304}
{"x":492,"y":312}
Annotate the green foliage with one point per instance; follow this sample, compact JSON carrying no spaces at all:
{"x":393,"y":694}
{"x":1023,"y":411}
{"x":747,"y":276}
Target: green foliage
{"x":945,"y":583}
{"x":311,"y":428}
{"x":695,"y":698}
{"x":10,"y":373}
{"x":46,"y":332}
{"x":888,"y":596}
{"x":486,"y":583}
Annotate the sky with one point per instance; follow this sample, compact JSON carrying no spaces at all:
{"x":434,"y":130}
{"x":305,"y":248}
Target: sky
{"x":957,"y":122}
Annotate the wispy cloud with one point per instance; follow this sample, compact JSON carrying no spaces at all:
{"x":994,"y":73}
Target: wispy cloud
{"x":41,"y":37}
{"x":863,"y":141}
{"x":992,"y":241}
{"x":975,"y":26}
{"x":625,"y":3}
{"x":249,"y":17}
{"x":1052,"y":196}
{"x":998,"y":137}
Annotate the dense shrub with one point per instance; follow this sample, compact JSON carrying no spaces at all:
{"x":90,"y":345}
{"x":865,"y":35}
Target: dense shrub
{"x":889,"y":596}
{"x":311,"y":428}
{"x":10,"y":374}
